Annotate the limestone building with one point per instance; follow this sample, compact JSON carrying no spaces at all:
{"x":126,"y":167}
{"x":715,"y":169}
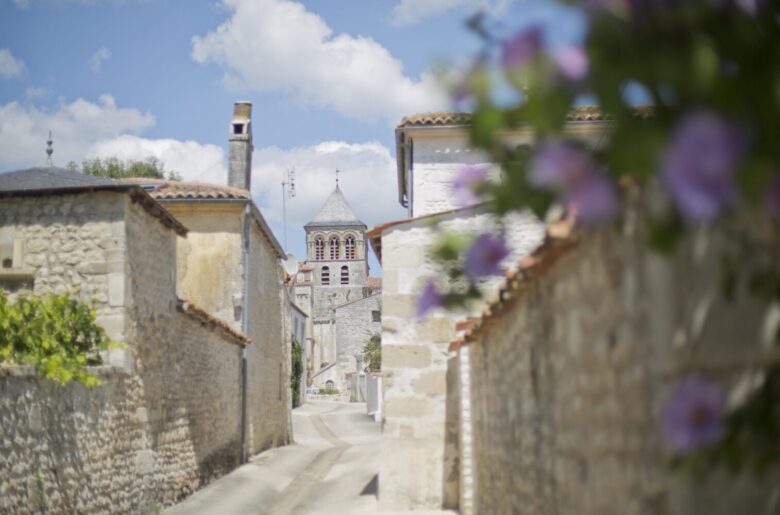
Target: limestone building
{"x":335,"y":275}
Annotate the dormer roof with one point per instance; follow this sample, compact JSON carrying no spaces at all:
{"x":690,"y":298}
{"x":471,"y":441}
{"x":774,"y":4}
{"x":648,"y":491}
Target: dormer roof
{"x":335,"y":212}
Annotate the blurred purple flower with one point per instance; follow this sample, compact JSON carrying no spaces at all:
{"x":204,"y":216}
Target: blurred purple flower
{"x":572,"y":61}
{"x":699,"y":164}
{"x":594,"y":199}
{"x":464,"y":88}
{"x":564,"y":167}
{"x":773,"y":199}
{"x":692,"y":416}
{"x":521,"y":48}
{"x":485,"y":255}
{"x":464,"y":187}
{"x":558,"y":164}
{"x":430,"y":298}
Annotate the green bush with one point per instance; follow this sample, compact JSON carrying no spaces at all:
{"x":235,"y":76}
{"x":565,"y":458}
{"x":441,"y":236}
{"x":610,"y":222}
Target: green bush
{"x":372,"y":353}
{"x":296,"y":370}
{"x":55,"y":334}
{"x":329,"y":391}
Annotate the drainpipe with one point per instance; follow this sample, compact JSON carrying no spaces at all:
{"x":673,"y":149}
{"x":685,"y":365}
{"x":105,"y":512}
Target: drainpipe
{"x":245,"y":329}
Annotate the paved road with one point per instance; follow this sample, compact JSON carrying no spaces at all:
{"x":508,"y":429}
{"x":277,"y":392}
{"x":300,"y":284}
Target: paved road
{"x":330,"y":469}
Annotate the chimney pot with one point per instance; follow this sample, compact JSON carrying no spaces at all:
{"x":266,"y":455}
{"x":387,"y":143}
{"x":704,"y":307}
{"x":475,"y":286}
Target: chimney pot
{"x":240,"y":139}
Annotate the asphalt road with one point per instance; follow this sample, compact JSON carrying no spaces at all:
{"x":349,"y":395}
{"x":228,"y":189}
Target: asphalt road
{"x":330,"y":469}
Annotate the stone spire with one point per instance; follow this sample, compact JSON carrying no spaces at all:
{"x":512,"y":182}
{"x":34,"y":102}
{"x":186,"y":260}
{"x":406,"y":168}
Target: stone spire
{"x":335,"y":212}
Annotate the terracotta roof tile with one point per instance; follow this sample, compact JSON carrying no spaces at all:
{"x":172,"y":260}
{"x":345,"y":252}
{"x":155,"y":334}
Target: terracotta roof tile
{"x":161,"y":189}
{"x":213,"y":322}
{"x":453,"y":118}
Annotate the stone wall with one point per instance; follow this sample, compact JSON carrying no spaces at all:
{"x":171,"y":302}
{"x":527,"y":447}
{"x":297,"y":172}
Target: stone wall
{"x":160,"y":426}
{"x":268,"y":358}
{"x":354,"y":328}
{"x":420,"y":435}
{"x":568,"y":376}
{"x":73,"y":242}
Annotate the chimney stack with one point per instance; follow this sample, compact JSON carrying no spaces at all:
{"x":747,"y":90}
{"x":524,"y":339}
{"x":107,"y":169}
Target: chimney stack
{"x":240,"y":158}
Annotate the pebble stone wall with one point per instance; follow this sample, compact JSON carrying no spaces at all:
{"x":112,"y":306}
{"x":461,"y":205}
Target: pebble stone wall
{"x":567,"y":383}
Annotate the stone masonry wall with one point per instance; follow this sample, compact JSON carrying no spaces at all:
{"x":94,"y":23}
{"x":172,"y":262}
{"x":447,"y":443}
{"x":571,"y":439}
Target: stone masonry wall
{"x":268,"y":358}
{"x":161,"y":425}
{"x":420,"y":435}
{"x":567,"y":382}
{"x":354,"y":328}
{"x":73,"y":242}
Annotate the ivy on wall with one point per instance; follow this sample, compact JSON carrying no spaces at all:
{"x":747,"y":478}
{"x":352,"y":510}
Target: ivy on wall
{"x":296,"y":371}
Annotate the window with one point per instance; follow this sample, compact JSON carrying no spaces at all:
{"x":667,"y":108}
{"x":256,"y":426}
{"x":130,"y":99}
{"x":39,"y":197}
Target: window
{"x":376,"y":316}
{"x":344,"y":275}
{"x":349,"y":247}
{"x":7,"y":263}
{"x":325,"y":275}
{"x":334,"y":247}
{"x":329,"y":384}
{"x":319,"y":248}
{"x":238,"y":128}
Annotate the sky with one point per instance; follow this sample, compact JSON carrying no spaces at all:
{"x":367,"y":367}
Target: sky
{"x":328,"y":79}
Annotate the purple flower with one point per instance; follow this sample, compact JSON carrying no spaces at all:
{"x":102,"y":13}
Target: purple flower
{"x":521,"y":48}
{"x":699,"y":164}
{"x":692,"y":417}
{"x":485,"y":255}
{"x":429,"y":299}
{"x":558,"y":164}
{"x":594,"y":200}
{"x":564,"y":167}
{"x":773,"y":199}
{"x":466,"y":184}
{"x":572,"y":62}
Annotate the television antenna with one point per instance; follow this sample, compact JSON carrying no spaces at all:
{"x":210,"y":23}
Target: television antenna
{"x":49,"y":151}
{"x":288,"y":191}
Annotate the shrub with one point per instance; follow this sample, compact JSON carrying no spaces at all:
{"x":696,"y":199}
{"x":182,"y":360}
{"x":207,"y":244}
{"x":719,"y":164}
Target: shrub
{"x":55,"y":334}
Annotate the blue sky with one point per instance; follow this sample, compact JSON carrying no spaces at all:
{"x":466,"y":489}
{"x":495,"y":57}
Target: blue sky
{"x":328,"y":79}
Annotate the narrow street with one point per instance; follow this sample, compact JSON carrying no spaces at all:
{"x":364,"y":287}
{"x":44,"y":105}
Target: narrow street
{"x":331,"y":468}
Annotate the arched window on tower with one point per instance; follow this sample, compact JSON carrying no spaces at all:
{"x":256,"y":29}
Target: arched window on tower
{"x":344,"y":275}
{"x":325,"y":275}
{"x":334,"y":247}
{"x":349,"y":247}
{"x":319,"y":248}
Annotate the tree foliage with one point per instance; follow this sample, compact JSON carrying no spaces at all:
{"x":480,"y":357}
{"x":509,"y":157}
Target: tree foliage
{"x":55,"y":334}
{"x":296,"y":371}
{"x":372,"y":354}
{"x":115,"y":168}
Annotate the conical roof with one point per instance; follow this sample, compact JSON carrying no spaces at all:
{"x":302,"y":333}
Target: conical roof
{"x":336,"y":211}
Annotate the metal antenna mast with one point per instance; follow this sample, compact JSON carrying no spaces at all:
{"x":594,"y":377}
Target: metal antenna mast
{"x":49,"y":151}
{"x":285,"y":194}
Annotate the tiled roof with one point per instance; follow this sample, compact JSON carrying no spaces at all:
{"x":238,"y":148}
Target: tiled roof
{"x":36,"y":179}
{"x":59,"y":181}
{"x":335,"y":211}
{"x":161,"y":189}
{"x":452,"y":118}
{"x":374,"y":283}
{"x":211,"y":321}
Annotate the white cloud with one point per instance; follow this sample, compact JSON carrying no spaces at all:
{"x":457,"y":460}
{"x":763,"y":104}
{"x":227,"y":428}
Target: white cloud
{"x":277,"y":45}
{"x":194,"y":161}
{"x":95,"y":62}
{"x":407,"y":12}
{"x":10,"y":67}
{"x":76,"y":126}
{"x":367,"y":179}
